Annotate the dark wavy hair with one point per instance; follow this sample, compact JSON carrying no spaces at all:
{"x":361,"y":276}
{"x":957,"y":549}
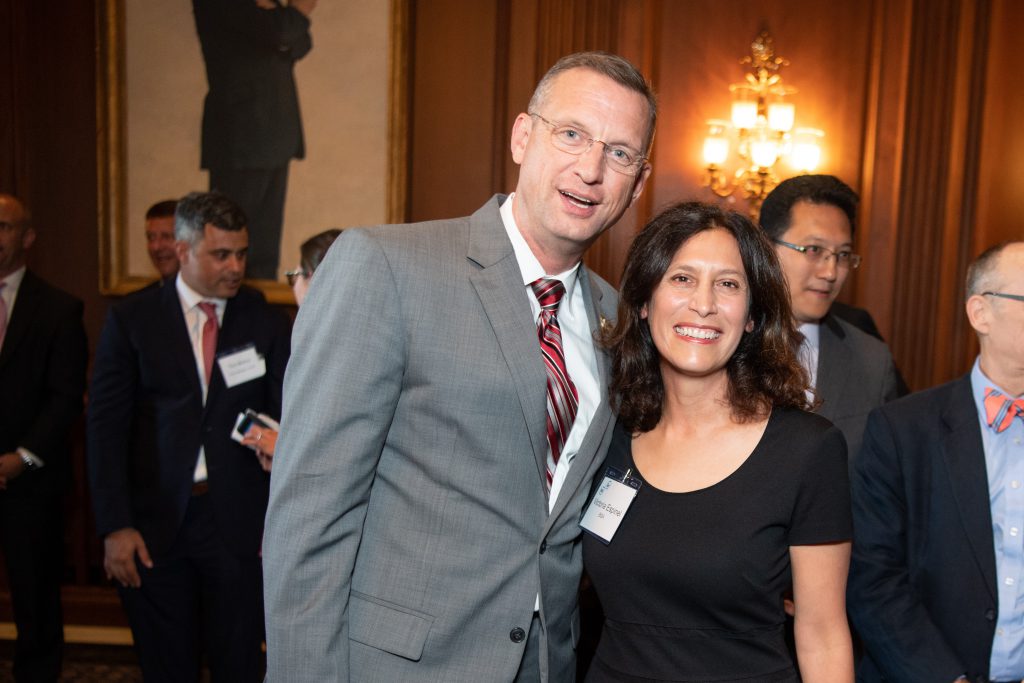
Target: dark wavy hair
{"x":314,"y":249}
{"x":763,"y":371}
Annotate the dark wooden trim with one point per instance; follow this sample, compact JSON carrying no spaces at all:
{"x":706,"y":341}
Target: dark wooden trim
{"x":501,"y":116}
{"x":399,"y":109}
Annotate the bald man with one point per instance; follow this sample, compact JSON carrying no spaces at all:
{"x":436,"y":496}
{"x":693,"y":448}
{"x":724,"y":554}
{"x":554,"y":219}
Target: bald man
{"x":935,"y":586}
{"x":42,"y":380}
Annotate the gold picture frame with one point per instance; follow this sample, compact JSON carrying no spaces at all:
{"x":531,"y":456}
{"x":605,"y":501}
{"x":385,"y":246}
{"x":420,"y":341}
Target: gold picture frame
{"x":383,"y":107}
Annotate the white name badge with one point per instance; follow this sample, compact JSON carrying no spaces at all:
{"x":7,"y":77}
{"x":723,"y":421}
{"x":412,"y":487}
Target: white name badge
{"x":609,"y":505}
{"x":241,"y":366}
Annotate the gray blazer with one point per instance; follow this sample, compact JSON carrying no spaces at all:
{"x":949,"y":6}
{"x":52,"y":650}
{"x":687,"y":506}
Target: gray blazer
{"x":407,"y":534}
{"x":856,"y":374}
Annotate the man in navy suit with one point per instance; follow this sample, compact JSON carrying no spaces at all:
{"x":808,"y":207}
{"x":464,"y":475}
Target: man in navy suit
{"x":42,"y":380}
{"x":936,"y":586}
{"x":180,"y":504}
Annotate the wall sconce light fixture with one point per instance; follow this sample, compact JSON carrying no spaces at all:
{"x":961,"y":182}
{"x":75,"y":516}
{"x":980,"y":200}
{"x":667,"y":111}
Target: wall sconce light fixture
{"x":761,"y":131}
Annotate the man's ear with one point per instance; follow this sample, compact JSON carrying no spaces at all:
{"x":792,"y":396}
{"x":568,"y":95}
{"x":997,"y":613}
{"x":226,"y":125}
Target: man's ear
{"x":521,"y":136}
{"x":979,"y":313}
{"x":181,"y":250}
{"x":640,"y":182}
{"x":28,"y":238}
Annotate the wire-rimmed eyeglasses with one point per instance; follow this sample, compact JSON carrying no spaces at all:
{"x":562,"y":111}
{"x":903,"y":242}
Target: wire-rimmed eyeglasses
{"x":572,"y":140}
{"x":293,"y":275}
{"x":816,"y":254}
{"x":1004,"y":295}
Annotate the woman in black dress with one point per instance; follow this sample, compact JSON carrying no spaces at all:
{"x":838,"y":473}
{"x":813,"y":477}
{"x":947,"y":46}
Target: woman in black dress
{"x":744,"y":495}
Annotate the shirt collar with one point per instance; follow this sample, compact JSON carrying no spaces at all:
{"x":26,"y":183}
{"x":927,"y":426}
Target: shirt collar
{"x":190,"y":298}
{"x":979,"y":382}
{"x":529,"y":266}
{"x":13,"y":281}
{"x":812,"y":334}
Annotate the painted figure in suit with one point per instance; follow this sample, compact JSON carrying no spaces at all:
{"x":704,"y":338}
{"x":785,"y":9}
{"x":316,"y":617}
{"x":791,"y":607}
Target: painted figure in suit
{"x":811,"y":219}
{"x":42,"y":380}
{"x":430,"y":475}
{"x":252,"y":127}
{"x":178,"y":503}
{"x":936,"y":584}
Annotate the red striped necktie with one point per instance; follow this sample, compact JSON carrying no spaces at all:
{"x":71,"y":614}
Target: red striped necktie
{"x":1000,"y":410}
{"x":562,"y":399}
{"x":209,"y":337}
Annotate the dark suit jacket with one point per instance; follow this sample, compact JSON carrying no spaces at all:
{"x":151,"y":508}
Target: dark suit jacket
{"x":922,"y":588}
{"x":146,"y":419}
{"x":42,"y":381}
{"x":856,"y":374}
{"x":862,"y":320}
{"x":858,"y":317}
{"x":251,"y":114}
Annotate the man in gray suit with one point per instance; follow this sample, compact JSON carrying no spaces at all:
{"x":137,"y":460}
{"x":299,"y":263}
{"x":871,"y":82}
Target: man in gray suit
{"x":434,"y":463}
{"x":811,"y":219}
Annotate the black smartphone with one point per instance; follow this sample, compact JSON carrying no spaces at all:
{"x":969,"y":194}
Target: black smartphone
{"x":250,"y":418}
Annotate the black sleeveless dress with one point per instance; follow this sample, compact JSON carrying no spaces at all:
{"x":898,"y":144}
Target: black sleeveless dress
{"x":692,"y":583}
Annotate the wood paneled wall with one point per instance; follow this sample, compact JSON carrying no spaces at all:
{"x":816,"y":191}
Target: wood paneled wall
{"x":916,"y":98}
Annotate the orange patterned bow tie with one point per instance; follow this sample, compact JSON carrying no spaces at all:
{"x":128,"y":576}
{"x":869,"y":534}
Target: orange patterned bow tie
{"x":1000,"y":410}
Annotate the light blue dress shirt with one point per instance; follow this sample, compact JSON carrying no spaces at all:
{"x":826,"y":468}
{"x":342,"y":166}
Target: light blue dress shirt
{"x":1004,"y":463}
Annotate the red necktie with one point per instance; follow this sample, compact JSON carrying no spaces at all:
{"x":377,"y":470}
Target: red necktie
{"x":3,"y":314}
{"x":209,"y":337}
{"x":1000,"y":410}
{"x":561,"y":392}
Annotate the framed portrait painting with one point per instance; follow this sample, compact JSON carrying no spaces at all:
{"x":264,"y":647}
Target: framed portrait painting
{"x":352,"y":88}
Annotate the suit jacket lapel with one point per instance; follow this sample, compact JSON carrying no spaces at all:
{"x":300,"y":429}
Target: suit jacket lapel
{"x":25,"y":309}
{"x":833,"y":365}
{"x":584,"y":461}
{"x":233,"y":335}
{"x":499,"y":285}
{"x":965,"y":461}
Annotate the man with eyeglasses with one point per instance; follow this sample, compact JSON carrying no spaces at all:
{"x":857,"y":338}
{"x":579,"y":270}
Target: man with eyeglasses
{"x":811,"y":219}
{"x":446,"y":411}
{"x":936,"y":585}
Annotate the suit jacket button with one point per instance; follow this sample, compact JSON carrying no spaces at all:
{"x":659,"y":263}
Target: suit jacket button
{"x":517,"y":635}
{"x":990,"y":614}
{"x":543,"y":546}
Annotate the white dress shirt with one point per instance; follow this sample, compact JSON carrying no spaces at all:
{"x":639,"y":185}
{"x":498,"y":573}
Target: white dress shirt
{"x":10,"y":291}
{"x":810,"y":351}
{"x":194,"y":321}
{"x":577,"y":343}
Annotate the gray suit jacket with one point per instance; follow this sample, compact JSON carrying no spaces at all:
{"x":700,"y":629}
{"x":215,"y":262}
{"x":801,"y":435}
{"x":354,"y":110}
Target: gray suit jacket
{"x":856,"y":374}
{"x":408,"y":534}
